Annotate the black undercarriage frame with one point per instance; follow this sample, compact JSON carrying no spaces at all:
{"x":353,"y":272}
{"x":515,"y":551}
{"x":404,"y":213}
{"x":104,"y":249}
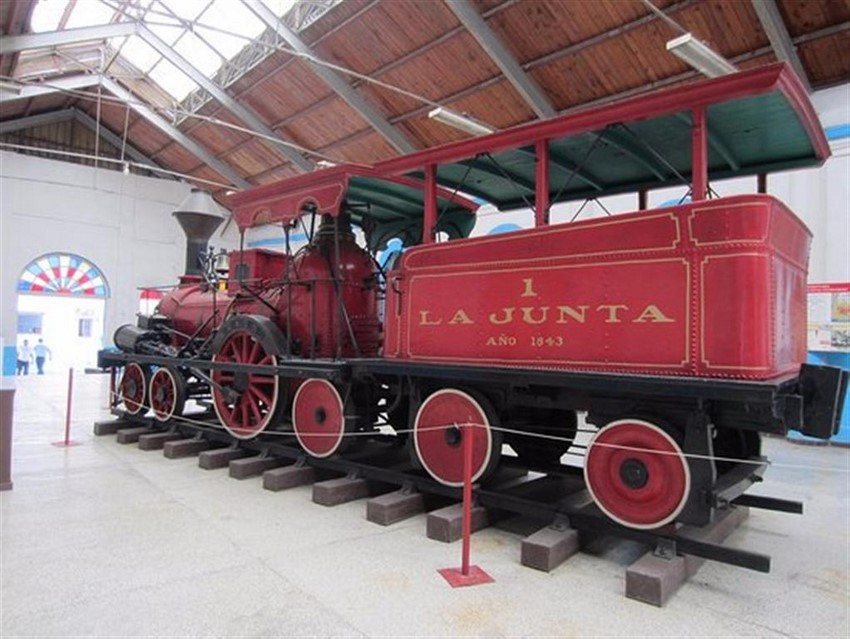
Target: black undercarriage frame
{"x":696,"y":404}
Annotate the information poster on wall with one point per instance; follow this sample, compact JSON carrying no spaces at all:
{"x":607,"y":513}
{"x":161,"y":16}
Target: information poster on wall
{"x":829,"y":317}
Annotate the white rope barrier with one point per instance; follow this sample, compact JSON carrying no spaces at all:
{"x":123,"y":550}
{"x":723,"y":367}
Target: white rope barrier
{"x":542,"y":436}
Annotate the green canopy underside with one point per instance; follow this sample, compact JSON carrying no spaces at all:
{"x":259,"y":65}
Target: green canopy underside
{"x":746,"y":136}
{"x":387,"y":210}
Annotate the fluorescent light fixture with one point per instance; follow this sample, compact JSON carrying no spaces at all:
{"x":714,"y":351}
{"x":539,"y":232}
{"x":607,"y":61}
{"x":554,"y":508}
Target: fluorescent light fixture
{"x":461,"y":122}
{"x":700,"y":56}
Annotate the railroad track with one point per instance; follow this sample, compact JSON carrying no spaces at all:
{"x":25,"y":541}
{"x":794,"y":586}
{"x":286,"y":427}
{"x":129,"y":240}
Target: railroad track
{"x":379,"y":468}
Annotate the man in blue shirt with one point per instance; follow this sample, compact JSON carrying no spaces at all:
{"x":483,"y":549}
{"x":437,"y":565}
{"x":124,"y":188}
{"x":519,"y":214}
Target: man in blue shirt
{"x":41,"y":352}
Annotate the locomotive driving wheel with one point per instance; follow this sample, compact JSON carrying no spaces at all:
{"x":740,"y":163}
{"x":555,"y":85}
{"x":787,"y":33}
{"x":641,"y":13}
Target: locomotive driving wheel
{"x":132,"y":388}
{"x":440,"y":428}
{"x":637,"y":474}
{"x":167,"y":393}
{"x":248,"y":402}
{"x":318,"y":417}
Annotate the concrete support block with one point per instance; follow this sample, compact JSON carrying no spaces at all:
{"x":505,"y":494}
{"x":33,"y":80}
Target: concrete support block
{"x":549,"y":547}
{"x":131,"y":435}
{"x":287,"y":477}
{"x":219,"y":458}
{"x":252,"y":466}
{"x":446,"y":524}
{"x":653,"y":579}
{"x":339,"y":491}
{"x":155,"y":441}
{"x":394,"y":507}
{"x":110,"y":426}
{"x":177,"y":448}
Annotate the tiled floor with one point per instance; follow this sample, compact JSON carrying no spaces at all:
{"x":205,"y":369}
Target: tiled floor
{"x":102,"y":539}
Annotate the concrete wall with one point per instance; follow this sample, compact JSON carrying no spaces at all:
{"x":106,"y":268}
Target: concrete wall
{"x":122,"y":223}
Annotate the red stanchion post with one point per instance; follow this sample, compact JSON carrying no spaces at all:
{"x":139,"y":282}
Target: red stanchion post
{"x":67,"y":441}
{"x":467,"y":575}
{"x":466,"y":531}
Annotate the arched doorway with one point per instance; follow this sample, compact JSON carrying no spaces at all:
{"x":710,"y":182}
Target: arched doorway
{"x":62,"y":300}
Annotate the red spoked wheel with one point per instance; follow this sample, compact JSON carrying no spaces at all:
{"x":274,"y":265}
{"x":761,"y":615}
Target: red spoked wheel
{"x":438,"y":433}
{"x":132,"y":388}
{"x":247,"y":402}
{"x":637,"y":474}
{"x":318,"y":418}
{"x":167,"y":393}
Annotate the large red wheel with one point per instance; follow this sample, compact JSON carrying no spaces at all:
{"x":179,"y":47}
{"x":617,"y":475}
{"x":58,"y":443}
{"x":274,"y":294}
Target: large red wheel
{"x":132,"y":388}
{"x":247,"y":402}
{"x":438,"y":433}
{"x":637,"y":474}
{"x":167,"y":393}
{"x":318,"y":417}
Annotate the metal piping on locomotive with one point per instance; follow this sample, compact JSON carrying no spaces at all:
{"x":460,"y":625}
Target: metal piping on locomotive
{"x":325,"y":295}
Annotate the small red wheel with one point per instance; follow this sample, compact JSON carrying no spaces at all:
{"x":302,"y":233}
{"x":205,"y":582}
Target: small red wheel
{"x":167,"y":393}
{"x":318,"y":417}
{"x":438,"y":436}
{"x":246,"y":403}
{"x":132,"y":388}
{"x":637,"y":474}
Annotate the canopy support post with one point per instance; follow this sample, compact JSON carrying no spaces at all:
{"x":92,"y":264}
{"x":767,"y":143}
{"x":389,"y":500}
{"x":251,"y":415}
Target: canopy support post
{"x":541,"y":195}
{"x":699,"y":159}
{"x":430,"y":219}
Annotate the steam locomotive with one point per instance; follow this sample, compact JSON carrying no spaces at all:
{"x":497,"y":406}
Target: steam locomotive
{"x":677,"y":334}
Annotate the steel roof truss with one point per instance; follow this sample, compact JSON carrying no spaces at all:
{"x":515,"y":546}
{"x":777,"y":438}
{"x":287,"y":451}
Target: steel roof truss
{"x":25,"y":42}
{"x":243,"y":113}
{"x":780,"y":40}
{"x":334,"y":80}
{"x":175,"y":134}
{"x":522,"y":82}
{"x":70,"y":83}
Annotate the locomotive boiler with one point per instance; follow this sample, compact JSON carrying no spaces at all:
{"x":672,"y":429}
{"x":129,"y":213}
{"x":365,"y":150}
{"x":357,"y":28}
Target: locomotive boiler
{"x":655,"y":346}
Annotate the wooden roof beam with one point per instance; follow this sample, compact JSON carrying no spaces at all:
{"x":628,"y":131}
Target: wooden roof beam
{"x":333,"y":79}
{"x":522,"y":82}
{"x":780,"y":40}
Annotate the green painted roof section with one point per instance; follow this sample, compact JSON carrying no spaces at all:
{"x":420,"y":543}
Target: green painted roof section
{"x":387,"y":210}
{"x":747,"y":136}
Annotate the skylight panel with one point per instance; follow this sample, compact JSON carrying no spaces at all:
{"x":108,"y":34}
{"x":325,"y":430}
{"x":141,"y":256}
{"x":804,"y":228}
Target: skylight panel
{"x":89,"y":13}
{"x":185,"y":9}
{"x":230,"y":17}
{"x":47,"y":14}
{"x":200,"y":55}
{"x":204,"y":32}
{"x":172,"y":80}
{"x":168,"y":33}
{"x":138,"y":52}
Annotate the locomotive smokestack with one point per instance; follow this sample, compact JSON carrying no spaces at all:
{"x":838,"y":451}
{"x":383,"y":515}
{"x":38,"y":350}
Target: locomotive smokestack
{"x":199,"y":216}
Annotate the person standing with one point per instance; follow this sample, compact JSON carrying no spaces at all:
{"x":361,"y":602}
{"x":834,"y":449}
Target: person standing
{"x":24,"y":358}
{"x":41,"y":353}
